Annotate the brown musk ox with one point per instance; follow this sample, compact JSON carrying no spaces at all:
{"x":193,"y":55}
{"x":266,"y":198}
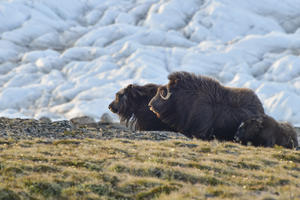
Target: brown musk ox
{"x":131,"y":104}
{"x":199,"y":106}
{"x":266,"y":131}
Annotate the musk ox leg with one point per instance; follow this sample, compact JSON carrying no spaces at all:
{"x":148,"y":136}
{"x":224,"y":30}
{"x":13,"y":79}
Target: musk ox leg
{"x":198,"y":124}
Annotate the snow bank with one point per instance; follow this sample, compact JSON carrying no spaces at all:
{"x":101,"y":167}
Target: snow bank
{"x":63,"y":59}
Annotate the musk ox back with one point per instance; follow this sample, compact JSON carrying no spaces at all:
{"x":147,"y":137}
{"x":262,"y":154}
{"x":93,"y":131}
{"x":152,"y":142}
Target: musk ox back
{"x":266,"y":131}
{"x":131,"y":104}
{"x":199,"y":106}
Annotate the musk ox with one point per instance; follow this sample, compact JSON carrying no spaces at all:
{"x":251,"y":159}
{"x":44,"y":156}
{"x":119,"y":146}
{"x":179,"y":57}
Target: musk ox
{"x":199,"y":106}
{"x":131,"y":104}
{"x":266,"y":131}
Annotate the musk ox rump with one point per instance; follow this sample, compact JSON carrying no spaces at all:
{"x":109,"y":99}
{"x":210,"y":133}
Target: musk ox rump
{"x":266,"y":131}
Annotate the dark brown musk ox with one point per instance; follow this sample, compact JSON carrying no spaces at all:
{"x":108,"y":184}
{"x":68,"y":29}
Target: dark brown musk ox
{"x":266,"y":131}
{"x":131,"y":104}
{"x":199,"y":106}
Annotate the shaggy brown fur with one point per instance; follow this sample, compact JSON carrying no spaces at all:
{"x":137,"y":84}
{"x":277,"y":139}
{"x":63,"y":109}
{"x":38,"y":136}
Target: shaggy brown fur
{"x":266,"y":131}
{"x":201,"y":107}
{"x":131,"y":104}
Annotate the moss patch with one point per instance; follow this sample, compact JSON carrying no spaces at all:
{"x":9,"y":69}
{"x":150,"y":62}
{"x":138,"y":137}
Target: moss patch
{"x":130,"y":169}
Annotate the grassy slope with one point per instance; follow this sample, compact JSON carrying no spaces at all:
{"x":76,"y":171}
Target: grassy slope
{"x":126,"y":169}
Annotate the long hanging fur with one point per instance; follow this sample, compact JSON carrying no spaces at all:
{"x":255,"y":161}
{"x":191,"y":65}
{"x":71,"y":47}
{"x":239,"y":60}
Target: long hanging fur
{"x":131,"y":104}
{"x":201,"y":107}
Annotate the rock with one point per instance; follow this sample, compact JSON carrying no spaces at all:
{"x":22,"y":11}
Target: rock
{"x":106,"y":118}
{"x":45,"y":120}
{"x":84,"y":120}
{"x":77,"y":128}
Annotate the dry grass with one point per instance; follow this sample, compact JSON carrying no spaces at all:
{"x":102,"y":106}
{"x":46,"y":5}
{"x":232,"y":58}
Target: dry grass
{"x":126,"y":169}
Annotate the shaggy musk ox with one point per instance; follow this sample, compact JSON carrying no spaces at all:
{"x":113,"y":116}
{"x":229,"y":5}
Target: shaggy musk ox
{"x":266,"y":131}
{"x":199,"y":106}
{"x":131,"y":104}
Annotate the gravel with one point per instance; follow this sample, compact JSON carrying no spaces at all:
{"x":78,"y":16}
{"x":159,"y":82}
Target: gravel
{"x":76,"y":128}
{"x":79,"y":128}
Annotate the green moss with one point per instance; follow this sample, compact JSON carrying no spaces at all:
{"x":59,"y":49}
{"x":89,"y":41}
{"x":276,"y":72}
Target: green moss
{"x":269,"y":162}
{"x":221,"y":193}
{"x":205,"y":150}
{"x":34,"y":158}
{"x":199,"y":166}
{"x":288,"y":157}
{"x":209,"y":180}
{"x":274,"y":181}
{"x":6,"y":142}
{"x":181,"y":144}
{"x":166,"y":174}
{"x":99,"y":189}
{"x":97,"y":166}
{"x":6,"y":194}
{"x":57,"y":142}
{"x":229,"y":145}
{"x":45,"y":169}
{"x":111,"y":179}
{"x":26,"y":144}
{"x":12,"y":171}
{"x":137,"y":186}
{"x":156,"y":191}
{"x":106,"y":190}
{"x":245,"y":165}
{"x":44,"y":188}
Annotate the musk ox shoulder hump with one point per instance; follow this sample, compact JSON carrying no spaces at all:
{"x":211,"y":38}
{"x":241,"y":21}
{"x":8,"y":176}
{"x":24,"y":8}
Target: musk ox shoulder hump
{"x":190,"y":81}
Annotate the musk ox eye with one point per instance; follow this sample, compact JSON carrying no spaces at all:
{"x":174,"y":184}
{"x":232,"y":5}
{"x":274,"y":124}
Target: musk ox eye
{"x":123,"y":97}
{"x":163,"y":91}
{"x":119,"y":95}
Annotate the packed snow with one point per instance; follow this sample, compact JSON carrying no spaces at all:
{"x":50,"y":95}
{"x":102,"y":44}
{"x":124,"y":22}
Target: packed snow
{"x":64,"y":58}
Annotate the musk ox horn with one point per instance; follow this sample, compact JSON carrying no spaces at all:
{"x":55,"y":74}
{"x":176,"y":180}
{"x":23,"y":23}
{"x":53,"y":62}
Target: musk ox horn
{"x":167,"y":96}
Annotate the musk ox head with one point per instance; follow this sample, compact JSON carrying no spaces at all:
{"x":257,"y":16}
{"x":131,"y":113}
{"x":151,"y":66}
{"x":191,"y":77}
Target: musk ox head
{"x":131,"y":104}
{"x":182,"y":102}
{"x":249,"y":130}
{"x":121,"y":105}
{"x":163,"y":104}
{"x":160,"y":104}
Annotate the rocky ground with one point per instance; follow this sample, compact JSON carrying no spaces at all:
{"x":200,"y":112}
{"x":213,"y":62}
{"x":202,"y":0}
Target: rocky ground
{"x":76,"y":128}
{"x":79,"y":128}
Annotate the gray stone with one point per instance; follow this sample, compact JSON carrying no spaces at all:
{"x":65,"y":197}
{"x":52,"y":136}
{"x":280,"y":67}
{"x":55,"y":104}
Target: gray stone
{"x":106,"y":118}
{"x":84,"y":120}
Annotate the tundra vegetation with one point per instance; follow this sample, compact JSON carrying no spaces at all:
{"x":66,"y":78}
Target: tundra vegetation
{"x":145,"y":169}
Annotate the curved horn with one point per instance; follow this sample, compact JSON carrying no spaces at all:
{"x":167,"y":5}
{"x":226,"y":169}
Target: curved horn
{"x":166,"y":97}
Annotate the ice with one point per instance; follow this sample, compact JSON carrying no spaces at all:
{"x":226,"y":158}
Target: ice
{"x":9,"y":51}
{"x":16,"y":97}
{"x":33,"y":56}
{"x":64,"y":59}
{"x":49,"y":63}
{"x":284,"y":69}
